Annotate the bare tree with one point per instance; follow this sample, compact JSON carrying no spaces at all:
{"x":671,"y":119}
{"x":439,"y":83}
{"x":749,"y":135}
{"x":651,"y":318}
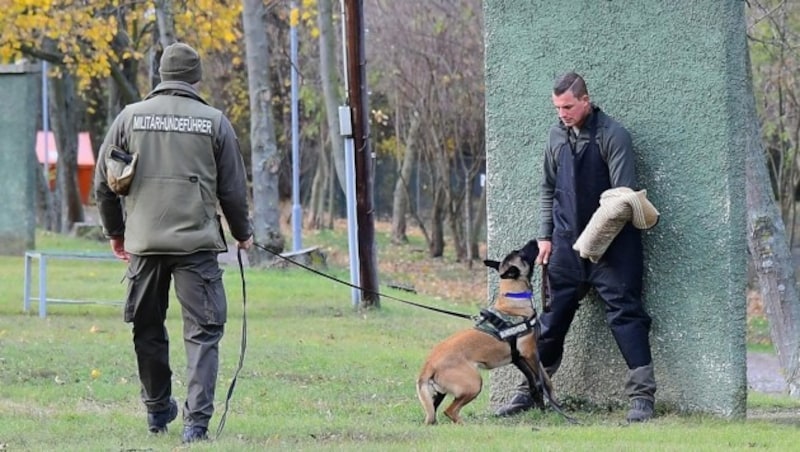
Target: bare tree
{"x":319,"y":188}
{"x":165,"y":18}
{"x":770,"y":253}
{"x":432,"y":57}
{"x":331,"y":83}
{"x":65,"y":108}
{"x":400,"y":204}
{"x":265,"y":158}
{"x":774,"y":40}
{"x":330,"y":164}
{"x":773,"y":33}
{"x":163,"y":34}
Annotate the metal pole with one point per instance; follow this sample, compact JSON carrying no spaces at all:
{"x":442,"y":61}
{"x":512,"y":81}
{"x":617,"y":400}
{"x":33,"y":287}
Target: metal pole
{"x":297,"y":212}
{"x":45,"y":126}
{"x":352,"y":224}
{"x":364,"y":159}
{"x":346,"y":130}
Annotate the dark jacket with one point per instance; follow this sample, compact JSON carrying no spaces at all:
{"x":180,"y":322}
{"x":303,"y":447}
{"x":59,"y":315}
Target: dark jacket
{"x":615,"y":147}
{"x":189,"y":164}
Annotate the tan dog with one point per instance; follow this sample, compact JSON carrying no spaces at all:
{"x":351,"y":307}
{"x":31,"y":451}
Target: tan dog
{"x":452,"y":366}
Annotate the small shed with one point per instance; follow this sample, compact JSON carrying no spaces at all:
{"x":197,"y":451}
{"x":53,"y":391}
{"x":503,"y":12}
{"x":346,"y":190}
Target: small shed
{"x":85,"y":161}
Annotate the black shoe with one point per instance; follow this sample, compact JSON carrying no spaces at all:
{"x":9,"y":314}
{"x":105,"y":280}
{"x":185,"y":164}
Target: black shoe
{"x":192,"y":433}
{"x":641,"y":410}
{"x":519,"y":403}
{"x":157,"y":421}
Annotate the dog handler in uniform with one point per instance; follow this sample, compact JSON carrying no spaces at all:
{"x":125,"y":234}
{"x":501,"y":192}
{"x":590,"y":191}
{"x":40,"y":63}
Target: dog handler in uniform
{"x":188,"y":162}
{"x":589,"y":152}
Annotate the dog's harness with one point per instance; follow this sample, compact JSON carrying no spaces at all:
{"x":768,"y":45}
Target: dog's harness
{"x":509,"y":328}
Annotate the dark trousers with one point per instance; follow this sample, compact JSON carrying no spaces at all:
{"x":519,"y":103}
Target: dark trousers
{"x":199,"y":289}
{"x":625,"y":316}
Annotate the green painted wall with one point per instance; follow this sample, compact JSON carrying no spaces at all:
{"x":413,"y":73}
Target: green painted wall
{"x":19,"y":107}
{"x":675,"y":73}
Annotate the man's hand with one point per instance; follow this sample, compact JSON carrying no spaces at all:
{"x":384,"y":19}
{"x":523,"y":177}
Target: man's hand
{"x":545,"y":248}
{"x":245,"y":244}
{"x":118,"y":248}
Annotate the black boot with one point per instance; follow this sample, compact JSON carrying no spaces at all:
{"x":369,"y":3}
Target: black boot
{"x":522,"y":401}
{"x":194,"y":433}
{"x":641,"y":389}
{"x":641,"y":410}
{"x":157,"y":421}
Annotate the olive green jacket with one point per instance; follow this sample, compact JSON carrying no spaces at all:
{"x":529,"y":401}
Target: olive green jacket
{"x":189,"y":163}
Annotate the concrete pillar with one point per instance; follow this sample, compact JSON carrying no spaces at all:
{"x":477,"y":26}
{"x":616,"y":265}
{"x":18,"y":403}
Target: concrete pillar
{"x":19,"y":107}
{"x":675,"y":74}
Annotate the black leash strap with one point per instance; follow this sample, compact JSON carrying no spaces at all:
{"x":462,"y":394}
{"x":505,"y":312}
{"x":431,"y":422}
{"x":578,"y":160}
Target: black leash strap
{"x":552,"y":401}
{"x":242,"y":348}
{"x":536,"y":383}
{"x":333,"y":278}
{"x":545,"y":290}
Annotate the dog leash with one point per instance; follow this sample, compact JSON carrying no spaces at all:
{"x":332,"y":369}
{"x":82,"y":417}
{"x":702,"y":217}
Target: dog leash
{"x":536,"y":383}
{"x":551,"y":401}
{"x":242,"y":347}
{"x":354,"y":286}
{"x":545,"y":296}
{"x":545,"y":307}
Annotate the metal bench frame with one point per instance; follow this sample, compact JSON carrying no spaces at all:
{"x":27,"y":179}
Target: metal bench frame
{"x":43,"y":257}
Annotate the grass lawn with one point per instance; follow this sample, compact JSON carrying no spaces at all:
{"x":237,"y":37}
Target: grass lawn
{"x":318,"y":375}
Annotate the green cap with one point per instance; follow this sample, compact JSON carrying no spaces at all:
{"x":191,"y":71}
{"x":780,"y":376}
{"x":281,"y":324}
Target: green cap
{"x":180,"y":62}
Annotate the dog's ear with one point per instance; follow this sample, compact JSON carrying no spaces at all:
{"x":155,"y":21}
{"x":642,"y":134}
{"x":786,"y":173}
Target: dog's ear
{"x":511,"y":273}
{"x":529,"y":252}
{"x":491,"y":264}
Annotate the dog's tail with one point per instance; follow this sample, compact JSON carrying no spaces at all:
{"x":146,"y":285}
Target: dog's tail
{"x":429,"y":397}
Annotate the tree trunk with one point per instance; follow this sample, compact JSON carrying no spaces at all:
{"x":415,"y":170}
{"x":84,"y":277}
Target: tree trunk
{"x":772,"y":259}
{"x":44,"y":201}
{"x":441,"y":193}
{"x":319,"y":187}
{"x":468,"y":254}
{"x":163,"y":35}
{"x":65,"y":111}
{"x":264,"y":155}
{"x":401,"y":188}
{"x":456,"y":207}
{"x":165,"y":18}
{"x":331,"y":201}
{"x":436,"y":242}
{"x":329,"y":76}
{"x":478,"y":224}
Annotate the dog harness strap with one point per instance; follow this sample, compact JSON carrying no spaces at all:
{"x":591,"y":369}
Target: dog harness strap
{"x":489,"y":323}
{"x":501,"y":326}
{"x":519,"y":363}
{"x":517,"y":330}
{"x":516,"y":357}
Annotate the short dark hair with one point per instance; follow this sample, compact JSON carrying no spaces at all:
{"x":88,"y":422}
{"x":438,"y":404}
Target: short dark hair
{"x":571,"y":82}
